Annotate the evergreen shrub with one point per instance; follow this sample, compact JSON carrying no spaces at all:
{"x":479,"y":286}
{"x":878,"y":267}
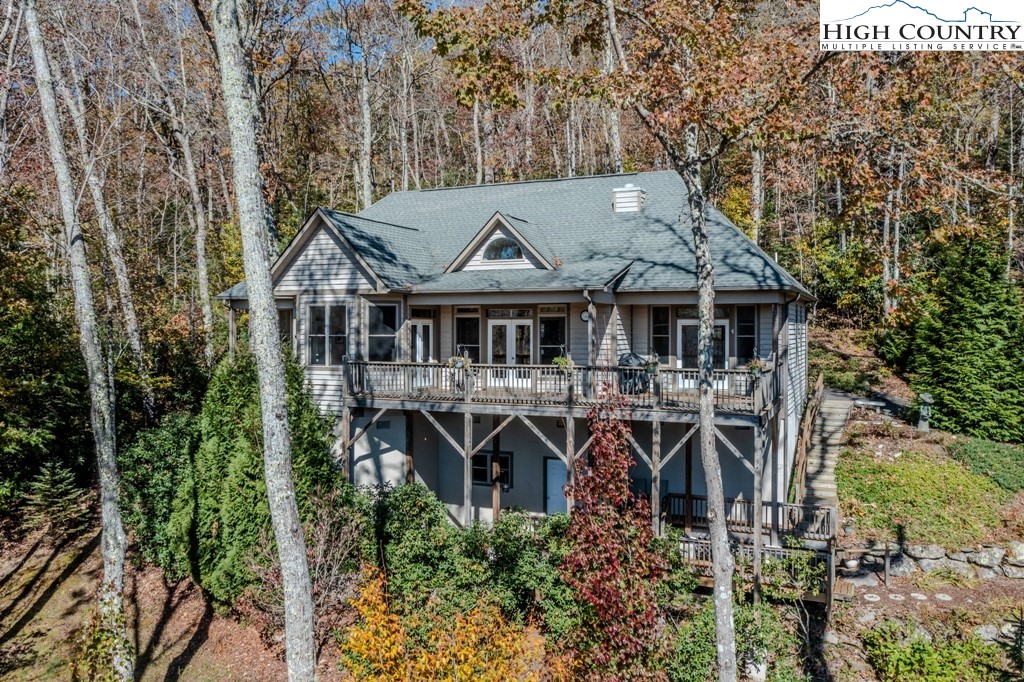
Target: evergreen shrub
{"x":968,"y":348}
{"x":196,"y":491}
{"x":54,"y":503}
{"x":154,"y":469}
{"x":1002,"y":462}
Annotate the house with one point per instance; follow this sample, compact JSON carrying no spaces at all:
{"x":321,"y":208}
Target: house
{"x":437,"y":327}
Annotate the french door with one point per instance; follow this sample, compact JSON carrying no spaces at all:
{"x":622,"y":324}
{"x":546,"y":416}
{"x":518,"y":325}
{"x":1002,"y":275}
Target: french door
{"x":686,"y":351}
{"x":511,"y":343}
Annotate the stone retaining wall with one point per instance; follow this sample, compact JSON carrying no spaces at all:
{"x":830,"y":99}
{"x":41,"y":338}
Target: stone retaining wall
{"x":985,"y":562}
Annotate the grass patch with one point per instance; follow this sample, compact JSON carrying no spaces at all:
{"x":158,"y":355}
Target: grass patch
{"x":943,"y":577}
{"x":929,"y":500}
{"x":1002,"y":462}
{"x":849,"y":373}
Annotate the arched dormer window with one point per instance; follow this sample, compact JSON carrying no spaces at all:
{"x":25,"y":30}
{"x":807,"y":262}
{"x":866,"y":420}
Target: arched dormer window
{"x":503,"y":248}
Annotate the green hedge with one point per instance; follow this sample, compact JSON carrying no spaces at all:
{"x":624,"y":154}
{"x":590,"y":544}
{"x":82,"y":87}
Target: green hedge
{"x":1002,"y":462}
{"x":194,"y":490}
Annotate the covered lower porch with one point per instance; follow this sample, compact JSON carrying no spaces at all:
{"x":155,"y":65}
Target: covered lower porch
{"x":480,"y":460}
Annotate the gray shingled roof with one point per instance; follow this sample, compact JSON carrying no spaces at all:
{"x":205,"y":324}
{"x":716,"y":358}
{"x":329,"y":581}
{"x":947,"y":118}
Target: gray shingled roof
{"x":409,"y":238}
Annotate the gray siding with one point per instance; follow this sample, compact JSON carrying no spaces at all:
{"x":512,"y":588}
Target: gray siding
{"x":624,"y":329}
{"x":764,"y":331}
{"x":324,"y":263}
{"x":446,"y":327}
{"x":796,"y":372}
{"x":577,"y":334}
{"x":641,"y":330}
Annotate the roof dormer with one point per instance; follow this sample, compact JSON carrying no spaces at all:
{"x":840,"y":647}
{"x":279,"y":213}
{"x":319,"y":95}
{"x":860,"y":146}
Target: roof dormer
{"x":500,"y":245}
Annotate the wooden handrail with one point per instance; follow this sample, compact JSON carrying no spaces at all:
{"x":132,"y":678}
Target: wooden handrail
{"x":798,"y":482}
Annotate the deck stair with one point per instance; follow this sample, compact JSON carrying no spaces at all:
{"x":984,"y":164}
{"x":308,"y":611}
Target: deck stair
{"x":827,"y":434}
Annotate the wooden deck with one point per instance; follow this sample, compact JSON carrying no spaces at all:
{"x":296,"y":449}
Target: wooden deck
{"x":735,"y":391}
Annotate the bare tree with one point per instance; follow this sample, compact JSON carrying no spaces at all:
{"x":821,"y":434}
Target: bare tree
{"x":73,"y":91}
{"x":113,"y":544}
{"x":233,"y":28}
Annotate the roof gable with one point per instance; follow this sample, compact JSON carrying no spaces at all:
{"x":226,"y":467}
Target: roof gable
{"x":475,"y":255}
{"x":320,"y":252}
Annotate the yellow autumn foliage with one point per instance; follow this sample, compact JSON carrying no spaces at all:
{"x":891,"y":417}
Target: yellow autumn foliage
{"x":479,"y":645}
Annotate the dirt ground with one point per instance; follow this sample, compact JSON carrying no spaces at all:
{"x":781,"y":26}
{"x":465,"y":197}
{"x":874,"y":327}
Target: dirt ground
{"x":935,"y":608}
{"x":47,"y":593}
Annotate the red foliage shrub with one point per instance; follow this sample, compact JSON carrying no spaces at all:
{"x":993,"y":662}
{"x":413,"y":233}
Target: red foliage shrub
{"x":612,"y":567}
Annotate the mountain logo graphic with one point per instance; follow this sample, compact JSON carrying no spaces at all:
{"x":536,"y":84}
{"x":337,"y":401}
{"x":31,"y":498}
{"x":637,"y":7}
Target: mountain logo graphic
{"x":904,"y":10}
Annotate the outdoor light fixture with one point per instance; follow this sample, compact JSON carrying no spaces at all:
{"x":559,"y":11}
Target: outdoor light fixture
{"x":925,"y":411}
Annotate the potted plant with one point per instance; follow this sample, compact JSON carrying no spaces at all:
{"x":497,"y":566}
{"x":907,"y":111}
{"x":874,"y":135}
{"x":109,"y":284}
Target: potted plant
{"x":563,"y":363}
{"x":459,"y":362}
{"x":651,"y":365}
{"x":757,"y":366}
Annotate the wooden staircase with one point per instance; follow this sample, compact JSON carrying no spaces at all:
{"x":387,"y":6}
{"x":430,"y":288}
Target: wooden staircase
{"x":826,"y":437}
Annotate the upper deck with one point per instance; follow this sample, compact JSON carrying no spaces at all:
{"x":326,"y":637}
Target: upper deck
{"x":736,"y":392}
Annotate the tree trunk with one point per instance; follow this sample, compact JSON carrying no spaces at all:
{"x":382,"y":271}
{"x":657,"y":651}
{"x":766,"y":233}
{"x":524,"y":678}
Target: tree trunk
{"x":688,"y":164}
{"x":111,"y":604}
{"x":721,"y":555}
{"x":8,"y":33}
{"x":365,"y":138}
{"x":756,"y":188}
{"x":243,"y":117}
{"x":112,"y":241}
{"x":476,"y":142}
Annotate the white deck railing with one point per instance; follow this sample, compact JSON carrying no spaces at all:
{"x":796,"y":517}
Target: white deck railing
{"x":734,"y":390}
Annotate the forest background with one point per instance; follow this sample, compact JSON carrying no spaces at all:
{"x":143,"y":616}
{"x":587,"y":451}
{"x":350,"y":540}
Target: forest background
{"x":891,"y":190}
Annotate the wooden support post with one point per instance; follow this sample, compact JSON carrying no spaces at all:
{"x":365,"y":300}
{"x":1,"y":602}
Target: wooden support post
{"x":410,"y":464}
{"x":495,"y":471}
{"x":656,"y":477}
{"x":777,"y":481}
{"x":467,"y":483}
{"x":758,"y":519}
{"x":232,"y":329}
{"x":570,"y":453}
{"x":688,"y":524}
{"x":345,"y":461}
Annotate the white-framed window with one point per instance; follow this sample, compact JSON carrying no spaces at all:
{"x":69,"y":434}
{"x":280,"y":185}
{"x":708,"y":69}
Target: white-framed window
{"x":382,"y":332}
{"x":327,"y":334}
{"x":503,"y":248}
{"x":467,"y":333}
{"x":553,"y":333}
{"x":746,"y":334}
{"x":285,"y":325}
{"x":661,"y":327}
